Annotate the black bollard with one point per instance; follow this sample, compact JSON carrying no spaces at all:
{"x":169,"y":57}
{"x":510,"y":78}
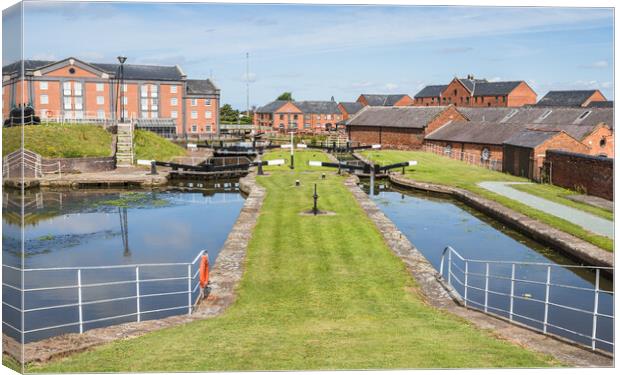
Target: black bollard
{"x":297,"y":183}
{"x":260,"y":168}
{"x":323,"y":176}
{"x":315,"y":210}
{"x":153,"y":167}
{"x":403,"y":171}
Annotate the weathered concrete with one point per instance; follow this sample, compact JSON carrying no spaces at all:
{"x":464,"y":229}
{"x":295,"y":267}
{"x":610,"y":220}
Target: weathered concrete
{"x":434,"y":293}
{"x":224,"y":278}
{"x":593,"y":201}
{"x":544,"y":233}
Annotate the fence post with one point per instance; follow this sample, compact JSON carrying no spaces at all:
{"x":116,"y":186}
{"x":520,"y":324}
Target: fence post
{"x":138,"y":293}
{"x":595,"y":313}
{"x":466,"y":274}
{"x":79,"y":280}
{"x":512,"y":290}
{"x":547,"y":298}
{"x":189,"y":289}
{"x":486,"y":288}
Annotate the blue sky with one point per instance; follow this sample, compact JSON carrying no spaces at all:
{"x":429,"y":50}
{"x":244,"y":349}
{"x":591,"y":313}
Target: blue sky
{"x":319,"y":51}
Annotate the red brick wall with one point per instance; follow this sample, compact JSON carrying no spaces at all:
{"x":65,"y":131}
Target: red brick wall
{"x":456,"y":93}
{"x":404,"y":101}
{"x":600,"y":142}
{"x":450,"y":114}
{"x":593,"y":175}
{"x":561,"y":141}
{"x":521,"y":95}
{"x":496,"y":151}
{"x":427,"y":102}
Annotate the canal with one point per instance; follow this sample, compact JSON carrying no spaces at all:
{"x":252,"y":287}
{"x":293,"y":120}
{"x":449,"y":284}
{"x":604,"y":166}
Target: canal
{"x":112,"y":229}
{"x":431,"y":222}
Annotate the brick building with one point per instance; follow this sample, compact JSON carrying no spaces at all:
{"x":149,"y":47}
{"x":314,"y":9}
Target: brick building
{"x":571,"y":98}
{"x":392,"y":100}
{"x":471,"y":92}
{"x":398,"y":127}
{"x":75,"y":90}
{"x":303,"y":116}
{"x":348,"y":109}
{"x":589,"y":174}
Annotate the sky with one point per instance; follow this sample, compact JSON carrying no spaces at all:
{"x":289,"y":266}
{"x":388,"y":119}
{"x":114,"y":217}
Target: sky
{"x":320,"y":51}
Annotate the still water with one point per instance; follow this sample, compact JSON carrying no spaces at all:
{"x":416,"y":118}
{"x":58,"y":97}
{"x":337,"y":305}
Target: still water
{"x":432,"y":222}
{"x":84,"y":228}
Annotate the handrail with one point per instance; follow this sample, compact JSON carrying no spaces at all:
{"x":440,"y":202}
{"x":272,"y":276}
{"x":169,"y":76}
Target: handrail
{"x":452,"y":278}
{"x":185,"y":274}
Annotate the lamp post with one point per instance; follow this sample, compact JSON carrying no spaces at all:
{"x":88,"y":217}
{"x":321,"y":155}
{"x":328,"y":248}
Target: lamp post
{"x":122,"y":59}
{"x":292,"y":151}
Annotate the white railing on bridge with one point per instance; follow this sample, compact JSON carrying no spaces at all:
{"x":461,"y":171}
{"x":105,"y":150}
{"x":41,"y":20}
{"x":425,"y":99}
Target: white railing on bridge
{"x":458,"y":276}
{"x":30,"y":161}
{"x":186,"y":272}
{"x":467,"y":157}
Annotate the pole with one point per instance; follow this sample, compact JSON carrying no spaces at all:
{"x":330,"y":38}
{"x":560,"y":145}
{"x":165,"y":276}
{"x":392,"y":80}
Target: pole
{"x":247,"y":83}
{"x":316,"y":197}
{"x":292,"y":153}
{"x":122,"y":94}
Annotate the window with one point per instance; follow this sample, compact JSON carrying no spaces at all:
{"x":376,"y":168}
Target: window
{"x":125,"y":101}
{"x":144,"y":104}
{"x":602,"y":142}
{"x":208,"y":114}
{"x":77,"y":88}
{"x":486,"y":154}
{"x":281,"y":117}
{"x":43,"y":85}
{"x":295,"y":117}
{"x":100,"y":100}
{"x":584,"y":115}
{"x":194,"y":128}
{"x":329,"y":117}
{"x":100,"y":87}
{"x":545,"y":115}
{"x":173,"y":89}
{"x":307,"y":126}
{"x":194,"y":102}
{"x":44,"y":99}
{"x":78,"y":103}
{"x":448,"y":150}
{"x":154,"y":91}
{"x":154,"y":106}
{"x":145,"y":114}
{"x":194,"y":114}
{"x":101,"y":114}
{"x":455,"y":92}
{"x":125,"y":88}
{"x":207,"y":101}
{"x":66,"y":88}
{"x":173,"y":101}
{"x":154,"y":115}
{"x":67,"y":103}
{"x":144,"y":91}
{"x":174,"y":114}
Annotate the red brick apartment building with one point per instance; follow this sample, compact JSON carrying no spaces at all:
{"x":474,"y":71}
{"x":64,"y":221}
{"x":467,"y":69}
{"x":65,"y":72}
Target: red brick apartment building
{"x":302,"y":116}
{"x":393,"y":100}
{"x":155,"y":96}
{"x":470,"y":92}
{"x":571,"y":98}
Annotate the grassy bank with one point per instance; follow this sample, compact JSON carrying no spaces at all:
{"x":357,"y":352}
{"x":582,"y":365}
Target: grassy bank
{"x":437,"y":169}
{"x":150,"y":146}
{"x":59,"y":141}
{"x":317,"y":293}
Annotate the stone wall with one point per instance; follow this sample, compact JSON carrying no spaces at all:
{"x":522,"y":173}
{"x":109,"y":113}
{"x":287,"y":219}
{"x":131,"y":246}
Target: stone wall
{"x":80,"y":165}
{"x":592,"y":175}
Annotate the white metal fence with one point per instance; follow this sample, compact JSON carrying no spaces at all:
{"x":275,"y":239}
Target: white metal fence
{"x":459,"y":277}
{"x":32,"y":164}
{"x":467,"y":157}
{"x":135,"y":279}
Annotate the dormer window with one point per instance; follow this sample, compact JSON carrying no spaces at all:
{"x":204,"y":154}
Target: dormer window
{"x":584,"y":115}
{"x":545,"y":115}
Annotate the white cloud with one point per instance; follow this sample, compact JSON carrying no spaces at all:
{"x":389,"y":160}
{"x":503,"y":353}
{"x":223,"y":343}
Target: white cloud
{"x":391,"y":86}
{"x":601,"y":64}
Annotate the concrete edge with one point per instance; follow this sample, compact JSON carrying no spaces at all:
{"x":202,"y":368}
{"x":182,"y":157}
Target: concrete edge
{"x":437,"y":296}
{"x":544,"y":233}
{"x":224,"y":279}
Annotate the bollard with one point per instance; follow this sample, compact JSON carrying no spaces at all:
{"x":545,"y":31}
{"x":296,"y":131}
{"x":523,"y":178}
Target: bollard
{"x":260,"y":168}
{"x":297,"y":183}
{"x":315,"y":210}
{"x":153,"y":168}
{"x":403,"y":171}
{"x":323,"y":176}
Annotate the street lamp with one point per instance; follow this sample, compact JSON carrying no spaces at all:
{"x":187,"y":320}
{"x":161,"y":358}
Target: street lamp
{"x":122,"y":59}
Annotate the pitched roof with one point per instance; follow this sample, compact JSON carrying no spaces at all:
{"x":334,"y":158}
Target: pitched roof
{"x":605,"y":104}
{"x":578,"y":132}
{"x":530,"y":138}
{"x":568,"y":98}
{"x":475,"y":132}
{"x":308,"y":106}
{"x":131,"y":71}
{"x":540,"y":115}
{"x":383,"y":100}
{"x":495,"y":88}
{"x":201,"y":87}
{"x":431,"y":91}
{"x":397,"y":117}
{"x":272,"y":106}
{"x":351,"y":107}
{"x":471,"y":83}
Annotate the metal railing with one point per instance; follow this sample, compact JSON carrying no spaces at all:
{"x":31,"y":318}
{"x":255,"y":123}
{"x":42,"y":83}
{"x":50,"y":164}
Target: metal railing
{"x":467,"y":157}
{"x":30,"y":161}
{"x":458,"y":278}
{"x":188,"y":272}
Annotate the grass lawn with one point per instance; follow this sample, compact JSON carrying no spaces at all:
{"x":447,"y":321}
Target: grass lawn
{"x":438,"y":169}
{"x":318,"y":293}
{"x":11,"y":363}
{"x":59,"y":141}
{"x":150,"y":146}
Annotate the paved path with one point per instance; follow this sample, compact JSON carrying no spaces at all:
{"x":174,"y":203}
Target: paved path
{"x":593,"y":223}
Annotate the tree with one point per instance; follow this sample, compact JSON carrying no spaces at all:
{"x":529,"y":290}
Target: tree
{"x":228,"y":114}
{"x":286,"y":96}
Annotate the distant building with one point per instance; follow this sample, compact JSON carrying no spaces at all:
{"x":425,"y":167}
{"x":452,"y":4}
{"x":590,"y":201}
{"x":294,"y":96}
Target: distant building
{"x":571,"y":98}
{"x":72,"y":89}
{"x":398,"y":127}
{"x":303,"y":116}
{"x":603,"y":104}
{"x":348,"y":109}
{"x":471,"y":92}
{"x":391,"y":100}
